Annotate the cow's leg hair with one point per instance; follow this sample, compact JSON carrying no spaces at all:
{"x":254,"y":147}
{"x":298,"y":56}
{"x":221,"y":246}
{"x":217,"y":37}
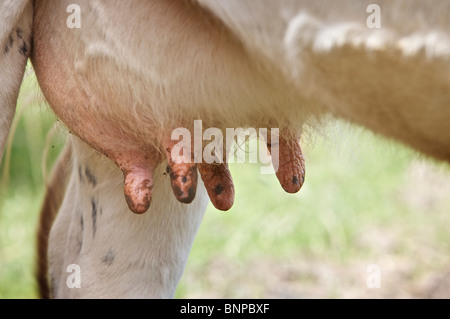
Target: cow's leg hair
{"x":120,"y":254}
{"x":15,"y":39}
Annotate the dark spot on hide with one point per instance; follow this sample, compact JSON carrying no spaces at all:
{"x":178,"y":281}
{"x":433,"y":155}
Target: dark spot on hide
{"x":219,"y":189}
{"x":109,"y":257}
{"x":94,"y":216}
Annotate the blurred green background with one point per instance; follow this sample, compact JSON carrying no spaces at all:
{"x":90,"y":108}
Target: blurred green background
{"x":366,"y":200}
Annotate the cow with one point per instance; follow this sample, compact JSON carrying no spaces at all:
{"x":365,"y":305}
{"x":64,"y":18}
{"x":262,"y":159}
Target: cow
{"x":123,"y":203}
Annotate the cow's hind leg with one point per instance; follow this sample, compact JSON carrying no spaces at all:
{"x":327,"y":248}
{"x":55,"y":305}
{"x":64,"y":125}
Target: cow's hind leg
{"x":54,"y":196}
{"x":97,"y":248}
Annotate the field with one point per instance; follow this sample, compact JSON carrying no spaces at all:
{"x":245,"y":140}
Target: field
{"x":366,"y":201}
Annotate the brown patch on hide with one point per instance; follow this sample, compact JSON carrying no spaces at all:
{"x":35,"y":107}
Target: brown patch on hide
{"x":54,"y":196}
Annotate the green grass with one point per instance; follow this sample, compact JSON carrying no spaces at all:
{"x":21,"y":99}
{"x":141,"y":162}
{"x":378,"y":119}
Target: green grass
{"x":21,"y":192}
{"x":356,"y":186}
{"x":357,"y":207}
{"x":365,"y":200}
